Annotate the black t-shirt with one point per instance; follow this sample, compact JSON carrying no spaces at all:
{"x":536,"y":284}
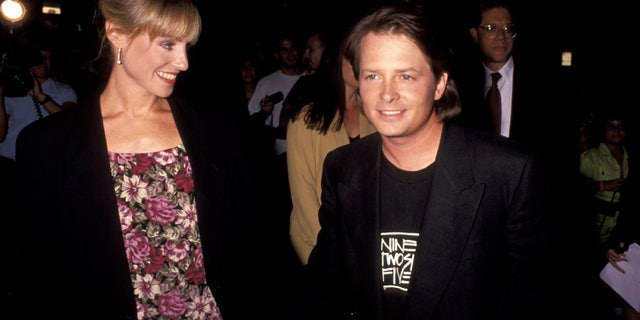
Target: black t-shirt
{"x":403,"y":197}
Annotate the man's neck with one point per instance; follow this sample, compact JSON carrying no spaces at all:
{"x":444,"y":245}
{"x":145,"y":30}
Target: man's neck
{"x":414,"y":152}
{"x":290,"y":71}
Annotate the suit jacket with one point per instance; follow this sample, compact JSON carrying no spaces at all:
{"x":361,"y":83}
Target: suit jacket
{"x":72,"y":259}
{"x":543,"y":116}
{"x":525,"y":102}
{"x":480,"y":251}
{"x":543,"y":106}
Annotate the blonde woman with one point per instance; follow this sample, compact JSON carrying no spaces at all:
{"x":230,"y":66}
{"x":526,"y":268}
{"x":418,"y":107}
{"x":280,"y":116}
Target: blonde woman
{"x":131,"y":200}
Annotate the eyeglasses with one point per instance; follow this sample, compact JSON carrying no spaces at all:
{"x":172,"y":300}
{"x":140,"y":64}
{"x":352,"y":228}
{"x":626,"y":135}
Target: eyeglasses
{"x":492,"y":30}
{"x":612,"y":127}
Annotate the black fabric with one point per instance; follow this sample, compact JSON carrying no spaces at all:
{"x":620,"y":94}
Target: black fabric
{"x":404,"y":197}
{"x":608,"y":208}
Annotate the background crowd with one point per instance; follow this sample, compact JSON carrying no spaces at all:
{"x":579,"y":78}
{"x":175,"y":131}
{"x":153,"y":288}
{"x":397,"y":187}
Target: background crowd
{"x":577,"y":117}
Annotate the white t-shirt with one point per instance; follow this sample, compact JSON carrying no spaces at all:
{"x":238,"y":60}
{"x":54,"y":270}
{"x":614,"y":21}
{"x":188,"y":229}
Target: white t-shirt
{"x":268,"y":85}
{"x":22,"y":111}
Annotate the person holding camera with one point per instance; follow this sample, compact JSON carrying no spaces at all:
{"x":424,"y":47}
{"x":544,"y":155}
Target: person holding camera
{"x":29,"y":93}
{"x":266,"y":115}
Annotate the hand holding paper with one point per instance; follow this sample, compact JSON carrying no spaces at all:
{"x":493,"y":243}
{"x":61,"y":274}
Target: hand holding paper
{"x":627,"y":283}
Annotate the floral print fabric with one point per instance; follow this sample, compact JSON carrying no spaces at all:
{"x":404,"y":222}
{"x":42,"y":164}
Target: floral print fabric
{"x":159,"y":224}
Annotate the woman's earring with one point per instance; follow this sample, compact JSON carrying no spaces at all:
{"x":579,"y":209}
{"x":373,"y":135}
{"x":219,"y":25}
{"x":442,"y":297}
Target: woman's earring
{"x":119,"y":61}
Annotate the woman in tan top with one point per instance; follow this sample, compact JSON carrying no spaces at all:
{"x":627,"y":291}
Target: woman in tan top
{"x":333,"y":119}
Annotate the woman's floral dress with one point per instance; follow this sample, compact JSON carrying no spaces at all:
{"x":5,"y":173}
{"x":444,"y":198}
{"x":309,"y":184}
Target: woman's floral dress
{"x":159,"y":224}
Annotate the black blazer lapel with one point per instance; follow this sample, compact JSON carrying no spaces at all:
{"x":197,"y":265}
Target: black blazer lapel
{"x":90,"y":195}
{"x":201,"y":142}
{"x":89,"y":176}
{"x":361,"y":198}
{"x":450,"y":213}
{"x":197,"y":138}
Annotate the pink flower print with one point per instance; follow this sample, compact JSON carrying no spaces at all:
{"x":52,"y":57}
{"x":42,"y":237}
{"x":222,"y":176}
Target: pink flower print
{"x":156,"y":261}
{"x":160,"y":210}
{"x":146,"y":287}
{"x":141,"y":309}
{"x":187,"y":217}
{"x":134,"y":189}
{"x":126,"y":216}
{"x":216,"y":314}
{"x":167,"y":157}
{"x":188,"y":167}
{"x":197,"y":256}
{"x":123,"y":158}
{"x":184,"y":181}
{"x":195,"y":272}
{"x":177,"y":252}
{"x":137,"y":247}
{"x":199,"y":307}
{"x":172,"y":305}
{"x":141,"y":165}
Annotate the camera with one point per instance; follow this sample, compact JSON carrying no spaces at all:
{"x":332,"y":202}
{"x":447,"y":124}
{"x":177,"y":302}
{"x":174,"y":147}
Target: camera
{"x":16,"y":77}
{"x":276,"y":97}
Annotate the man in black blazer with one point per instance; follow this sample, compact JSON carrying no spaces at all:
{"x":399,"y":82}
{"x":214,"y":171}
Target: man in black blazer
{"x":424,"y":219}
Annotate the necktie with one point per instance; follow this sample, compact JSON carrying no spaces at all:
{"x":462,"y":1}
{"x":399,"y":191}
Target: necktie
{"x":494,"y":103}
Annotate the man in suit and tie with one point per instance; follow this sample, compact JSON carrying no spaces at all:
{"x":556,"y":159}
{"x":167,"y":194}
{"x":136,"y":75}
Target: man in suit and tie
{"x":534,"y":111}
{"x":528,"y":81}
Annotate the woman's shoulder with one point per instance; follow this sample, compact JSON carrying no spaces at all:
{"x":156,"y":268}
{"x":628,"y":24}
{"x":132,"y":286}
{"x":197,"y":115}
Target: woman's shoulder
{"x":368,"y":144}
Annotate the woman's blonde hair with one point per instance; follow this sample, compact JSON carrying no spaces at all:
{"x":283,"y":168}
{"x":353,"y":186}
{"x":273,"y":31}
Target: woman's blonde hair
{"x":177,"y":19}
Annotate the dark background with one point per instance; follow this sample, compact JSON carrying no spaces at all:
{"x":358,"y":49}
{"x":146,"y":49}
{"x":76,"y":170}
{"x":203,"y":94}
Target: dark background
{"x":600,"y":35}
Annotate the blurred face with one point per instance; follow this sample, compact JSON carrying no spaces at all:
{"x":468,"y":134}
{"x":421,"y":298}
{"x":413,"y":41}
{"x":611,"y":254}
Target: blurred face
{"x":41,"y":71}
{"x":248,"y":71}
{"x":615,"y":132}
{"x":397,"y":85}
{"x":312,"y":54}
{"x":288,"y":53}
{"x":495,"y":45}
{"x":153,"y":65}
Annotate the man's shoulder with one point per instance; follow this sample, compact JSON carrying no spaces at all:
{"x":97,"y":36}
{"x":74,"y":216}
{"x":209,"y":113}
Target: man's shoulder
{"x":354,"y":159}
{"x":55,"y":83}
{"x":367,"y":144}
{"x":269,"y":77}
{"x":485,"y":144}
